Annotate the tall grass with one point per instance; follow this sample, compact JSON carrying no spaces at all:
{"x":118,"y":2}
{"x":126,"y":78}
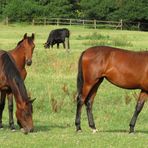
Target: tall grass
{"x":95,"y":39}
{"x":52,"y":81}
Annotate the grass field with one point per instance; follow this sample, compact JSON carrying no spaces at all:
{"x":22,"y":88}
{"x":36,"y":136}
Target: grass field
{"x":52,"y":81}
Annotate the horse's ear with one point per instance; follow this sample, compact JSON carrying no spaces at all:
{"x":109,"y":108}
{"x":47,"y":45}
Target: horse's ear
{"x":25,"y":35}
{"x":33,"y":36}
{"x":31,"y":101}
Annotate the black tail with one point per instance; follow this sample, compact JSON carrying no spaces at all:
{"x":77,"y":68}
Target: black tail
{"x":80,"y":76}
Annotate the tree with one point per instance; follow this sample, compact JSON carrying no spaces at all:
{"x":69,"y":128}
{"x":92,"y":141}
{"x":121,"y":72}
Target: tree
{"x":60,"y":9}
{"x":18,"y":11}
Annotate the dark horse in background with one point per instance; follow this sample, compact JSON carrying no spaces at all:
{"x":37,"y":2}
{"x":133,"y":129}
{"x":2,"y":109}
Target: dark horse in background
{"x":11,"y":82}
{"x":123,"y":68}
{"x":58,"y":36}
{"x":22,"y":56}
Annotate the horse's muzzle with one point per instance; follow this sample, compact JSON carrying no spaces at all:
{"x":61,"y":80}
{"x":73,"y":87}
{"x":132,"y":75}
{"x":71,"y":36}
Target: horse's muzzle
{"x":46,"y":45}
{"x":26,"y":130}
{"x":28,"y":62}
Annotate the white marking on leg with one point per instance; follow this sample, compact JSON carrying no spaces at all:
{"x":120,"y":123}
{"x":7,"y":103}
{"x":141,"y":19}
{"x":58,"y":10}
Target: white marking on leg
{"x":94,"y":131}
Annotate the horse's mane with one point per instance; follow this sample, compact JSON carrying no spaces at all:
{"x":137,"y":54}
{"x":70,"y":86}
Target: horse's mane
{"x":13,"y":76}
{"x":19,"y":42}
{"x":29,"y":41}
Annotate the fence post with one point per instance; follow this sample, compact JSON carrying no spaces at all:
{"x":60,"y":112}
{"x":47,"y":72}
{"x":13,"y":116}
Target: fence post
{"x":83,"y":23}
{"x":70,"y":22}
{"x":95,"y":24}
{"x":33,"y":22}
{"x":57,"y":22}
{"x":44,"y":21}
{"x":6,"y":21}
{"x":138,"y":25}
{"x":121,"y":21}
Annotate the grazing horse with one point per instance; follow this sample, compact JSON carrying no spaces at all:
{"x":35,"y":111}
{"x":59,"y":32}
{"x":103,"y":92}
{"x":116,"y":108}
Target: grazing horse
{"x":58,"y":36}
{"x":123,"y":68}
{"x":11,"y":81}
{"x":22,"y":56}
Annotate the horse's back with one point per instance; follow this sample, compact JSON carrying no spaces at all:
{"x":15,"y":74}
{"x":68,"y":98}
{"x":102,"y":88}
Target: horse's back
{"x":117,"y":55}
{"x":126,"y":69}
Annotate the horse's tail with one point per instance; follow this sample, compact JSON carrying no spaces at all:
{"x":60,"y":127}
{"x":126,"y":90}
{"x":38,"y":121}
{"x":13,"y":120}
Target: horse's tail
{"x":80,"y":76}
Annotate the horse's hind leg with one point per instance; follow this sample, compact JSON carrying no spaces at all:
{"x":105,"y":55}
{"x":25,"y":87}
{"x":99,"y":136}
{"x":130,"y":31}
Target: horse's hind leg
{"x":68,"y":43}
{"x":10,"y":108}
{"x":89,"y":103}
{"x":78,"y":112}
{"x":64,"y":44}
{"x":139,"y":106}
{"x":80,"y":101}
{"x":87,"y":96}
{"x":2,"y":105}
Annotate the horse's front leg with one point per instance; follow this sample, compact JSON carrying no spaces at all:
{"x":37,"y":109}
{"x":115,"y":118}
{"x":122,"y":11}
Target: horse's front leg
{"x":2,"y":105}
{"x":10,"y":108}
{"x":57,"y":45}
{"x":139,"y":106}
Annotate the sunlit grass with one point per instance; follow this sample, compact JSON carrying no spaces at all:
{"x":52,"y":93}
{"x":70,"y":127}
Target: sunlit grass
{"x":53,"y":76}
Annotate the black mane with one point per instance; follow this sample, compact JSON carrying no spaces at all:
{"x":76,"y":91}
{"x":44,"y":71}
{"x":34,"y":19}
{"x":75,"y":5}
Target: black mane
{"x":19,"y":42}
{"x":13,"y":76}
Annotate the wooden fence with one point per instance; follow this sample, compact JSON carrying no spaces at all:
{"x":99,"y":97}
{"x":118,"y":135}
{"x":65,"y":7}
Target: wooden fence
{"x":86,"y":23}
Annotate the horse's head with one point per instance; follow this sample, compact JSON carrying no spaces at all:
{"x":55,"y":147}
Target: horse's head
{"x":27,"y":43}
{"x":46,"y":45}
{"x":24,"y":116}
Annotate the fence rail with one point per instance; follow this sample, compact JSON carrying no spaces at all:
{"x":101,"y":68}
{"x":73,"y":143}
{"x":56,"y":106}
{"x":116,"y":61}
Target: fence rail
{"x":87,"y":23}
{"x":82,"y":22}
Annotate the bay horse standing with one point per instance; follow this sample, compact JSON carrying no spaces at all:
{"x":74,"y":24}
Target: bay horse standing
{"x":123,"y":68}
{"x":22,"y":56}
{"x":11,"y":82}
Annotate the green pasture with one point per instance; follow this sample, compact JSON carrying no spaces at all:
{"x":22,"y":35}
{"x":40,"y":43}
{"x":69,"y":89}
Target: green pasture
{"x":52,"y":81}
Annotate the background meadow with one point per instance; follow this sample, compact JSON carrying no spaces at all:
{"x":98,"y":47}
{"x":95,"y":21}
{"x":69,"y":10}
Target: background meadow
{"x":52,"y":81}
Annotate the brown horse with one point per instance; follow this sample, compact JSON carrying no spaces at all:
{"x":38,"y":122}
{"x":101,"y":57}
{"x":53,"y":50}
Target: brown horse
{"x":22,"y":56}
{"x":123,"y":68}
{"x":11,"y":81}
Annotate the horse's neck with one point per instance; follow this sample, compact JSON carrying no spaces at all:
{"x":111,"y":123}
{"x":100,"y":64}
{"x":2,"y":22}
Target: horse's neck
{"x":18,"y":57}
{"x":19,"y":90}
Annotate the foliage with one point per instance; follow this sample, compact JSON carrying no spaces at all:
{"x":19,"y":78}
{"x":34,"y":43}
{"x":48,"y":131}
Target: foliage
{"x":129,"y":10}
{"x":17,"y":10}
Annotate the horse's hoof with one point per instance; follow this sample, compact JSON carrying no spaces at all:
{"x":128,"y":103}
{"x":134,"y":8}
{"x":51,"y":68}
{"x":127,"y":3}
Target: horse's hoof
{"x":94,"y":131}
{"x":1,"y":128}
{"x":131,"y":132}
{"x":79,"y":131}
{"x":23,"y":131}
{"x":13,"y":129}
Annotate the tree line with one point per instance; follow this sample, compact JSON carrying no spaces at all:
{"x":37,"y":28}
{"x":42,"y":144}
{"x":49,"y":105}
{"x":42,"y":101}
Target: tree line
{"x":26,"y":10}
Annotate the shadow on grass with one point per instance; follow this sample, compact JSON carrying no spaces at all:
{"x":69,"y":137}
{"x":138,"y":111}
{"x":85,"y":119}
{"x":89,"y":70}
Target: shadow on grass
{"x":114,"y":131}
{"x":123,"y":131}
{"x":50,"y":127}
